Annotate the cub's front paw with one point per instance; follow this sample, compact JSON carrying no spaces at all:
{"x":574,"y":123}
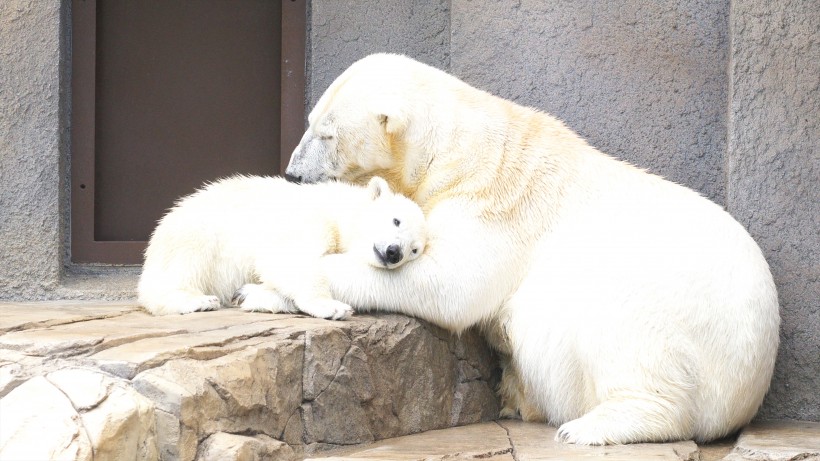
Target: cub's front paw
{"x":198,"y":304}
{"x":326,"y":309}
{"x":253,"y":297}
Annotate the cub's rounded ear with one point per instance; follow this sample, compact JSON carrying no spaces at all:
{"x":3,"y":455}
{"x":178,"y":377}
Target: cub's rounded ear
{"x":393,"y":123}
{"x":378,"y":187}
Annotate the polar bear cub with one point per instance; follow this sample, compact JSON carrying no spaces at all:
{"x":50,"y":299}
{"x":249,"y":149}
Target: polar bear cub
{"x":256,"y":243}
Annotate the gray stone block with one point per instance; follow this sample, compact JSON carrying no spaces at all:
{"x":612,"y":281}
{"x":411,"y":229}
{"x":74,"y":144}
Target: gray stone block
{"x":777,"y":441}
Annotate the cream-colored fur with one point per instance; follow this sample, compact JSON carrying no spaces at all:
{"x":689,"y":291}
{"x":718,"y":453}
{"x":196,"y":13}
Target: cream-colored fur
{"x":257,"y":242}
{"x":633,"y":309}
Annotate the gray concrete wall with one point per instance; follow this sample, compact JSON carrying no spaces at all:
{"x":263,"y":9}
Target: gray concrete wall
{"x":773,"y":177}
{"x":342,"y":32}
{"x":720,"y":96}
{"x":642,"y":81}
{"x":32,"y":136}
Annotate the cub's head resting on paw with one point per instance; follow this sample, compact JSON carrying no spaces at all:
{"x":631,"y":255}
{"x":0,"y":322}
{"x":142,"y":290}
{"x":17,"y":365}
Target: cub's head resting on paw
{"x":393,"y":230}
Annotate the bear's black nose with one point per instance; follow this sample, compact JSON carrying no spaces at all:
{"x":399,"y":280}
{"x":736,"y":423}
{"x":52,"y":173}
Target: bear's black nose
{"x":393,"y":254}
{"x":291,"y":178}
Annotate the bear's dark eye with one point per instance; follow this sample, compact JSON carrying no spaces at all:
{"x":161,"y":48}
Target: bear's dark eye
{"x":415,"y":250}
{"x":396,"y":222}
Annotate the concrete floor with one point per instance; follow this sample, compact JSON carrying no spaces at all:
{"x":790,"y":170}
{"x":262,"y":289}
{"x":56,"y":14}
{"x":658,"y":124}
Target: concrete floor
{"x":509,"y":440}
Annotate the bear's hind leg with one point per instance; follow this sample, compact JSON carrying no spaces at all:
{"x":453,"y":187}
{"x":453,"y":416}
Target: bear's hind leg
{"x":631,"y":417}
{"x":300,"y":283}
{"x":515,"y":404}
{"x":253,"y":297}
{"x":178,"y":302}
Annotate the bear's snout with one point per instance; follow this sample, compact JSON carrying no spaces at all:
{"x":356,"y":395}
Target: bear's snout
{"x":389,"y":256}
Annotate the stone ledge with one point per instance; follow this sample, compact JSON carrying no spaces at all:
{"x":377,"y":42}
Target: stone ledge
{"x":90,"y":380}
{"x":778,"y":441}
{"x":507,"y":440}
{"x":111,"y":382}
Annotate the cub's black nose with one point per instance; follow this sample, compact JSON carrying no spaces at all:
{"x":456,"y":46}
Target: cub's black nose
{"x":290,"y":178}
{"x":393,"y":254}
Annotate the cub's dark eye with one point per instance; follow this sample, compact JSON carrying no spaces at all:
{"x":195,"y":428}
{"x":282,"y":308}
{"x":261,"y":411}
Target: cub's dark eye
{"x":396,"y":222}
{"x":415,"y":250}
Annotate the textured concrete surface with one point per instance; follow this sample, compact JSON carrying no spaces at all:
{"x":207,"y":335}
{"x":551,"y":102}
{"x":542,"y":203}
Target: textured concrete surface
{"x":31,"y":137}
{"x":109,"y":381}
{"x":342,"y":32}
{"x":773,"y":175}
{"x":643,"y":81}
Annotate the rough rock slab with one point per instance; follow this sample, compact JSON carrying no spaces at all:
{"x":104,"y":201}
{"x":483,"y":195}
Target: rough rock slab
{"x":39,"y":422}
{"x":476,"y":441}
{"x":118,"y":420}
{"x":18,"y":316}
{"x":515,"y":440}
{"x":505,"y":440}
{"x":113,"y":382}
{"x":222,"y":446}
{"x":717,"y":450}
{"x":116,"y":383}
{"x":537,"y":442}
{"x":778,"y":441}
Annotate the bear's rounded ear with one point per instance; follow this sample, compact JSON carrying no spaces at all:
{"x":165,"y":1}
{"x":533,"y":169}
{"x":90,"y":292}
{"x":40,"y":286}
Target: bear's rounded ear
{"x":378,"y":187}
{"x":392,"y":123}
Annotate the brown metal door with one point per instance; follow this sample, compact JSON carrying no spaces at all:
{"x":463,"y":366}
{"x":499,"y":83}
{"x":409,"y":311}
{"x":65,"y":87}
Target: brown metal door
{"x":168,"y":94}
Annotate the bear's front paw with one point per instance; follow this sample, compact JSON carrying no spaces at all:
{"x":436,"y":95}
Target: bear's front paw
{"x":199,"y":304}
{"x":581,"y":431}
{"x":326,"y":309}
{"x":253,"y":297}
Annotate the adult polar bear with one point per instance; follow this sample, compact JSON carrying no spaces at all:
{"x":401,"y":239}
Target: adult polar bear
{"x":634,"y":309}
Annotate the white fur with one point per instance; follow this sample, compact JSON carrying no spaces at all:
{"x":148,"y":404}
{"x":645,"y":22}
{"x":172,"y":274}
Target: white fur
{"x":258,"y":242}
{"x":634,"y":310}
